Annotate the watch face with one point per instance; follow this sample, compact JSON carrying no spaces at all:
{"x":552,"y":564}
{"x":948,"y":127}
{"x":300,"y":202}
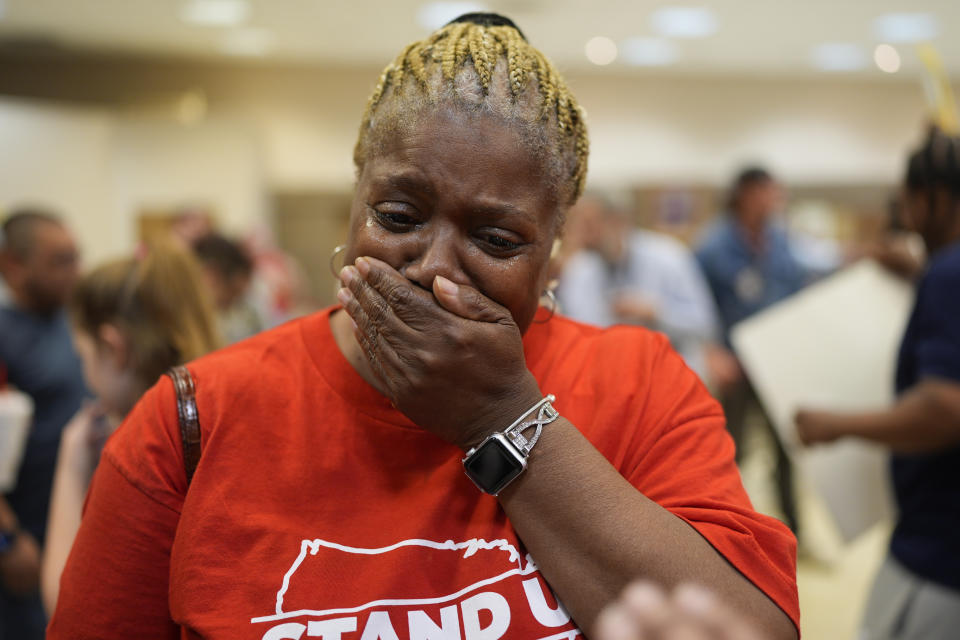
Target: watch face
{"x":494,"y":464}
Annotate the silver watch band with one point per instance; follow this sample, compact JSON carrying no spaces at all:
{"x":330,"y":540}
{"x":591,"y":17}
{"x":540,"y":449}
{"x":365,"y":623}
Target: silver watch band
{"x":545,"y":415}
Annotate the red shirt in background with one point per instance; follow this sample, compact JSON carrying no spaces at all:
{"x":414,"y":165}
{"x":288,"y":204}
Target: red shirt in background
{"x":318,"y":510}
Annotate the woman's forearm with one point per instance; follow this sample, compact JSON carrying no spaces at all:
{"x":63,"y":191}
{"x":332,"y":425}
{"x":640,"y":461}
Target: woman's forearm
{"x":66,"y":507}
{"x":591,"y":532}
{"x":925,"y":419}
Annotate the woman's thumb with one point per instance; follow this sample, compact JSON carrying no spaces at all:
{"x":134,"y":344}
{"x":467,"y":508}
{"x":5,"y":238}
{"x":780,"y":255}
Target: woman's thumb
{"x":466,"y":302}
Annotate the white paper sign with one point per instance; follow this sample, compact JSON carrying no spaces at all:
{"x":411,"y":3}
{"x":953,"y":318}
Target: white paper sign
{"x":833,"y":346}
{"x":16,"y":414}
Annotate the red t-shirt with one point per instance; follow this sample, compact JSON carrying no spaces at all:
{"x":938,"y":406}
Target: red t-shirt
{"x":318,"y":510}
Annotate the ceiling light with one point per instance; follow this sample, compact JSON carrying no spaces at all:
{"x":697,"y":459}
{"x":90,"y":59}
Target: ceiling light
{"x":684,"y":22}
{"x":838,"y":56}
{"x":247,"y":42}
{"x":434,"y":15}
{"x":887,"y":58}
{"x":906,"y":27}
{"x":601,"y":50}
{"x":215,"y":13}
{"x":648,"y":52}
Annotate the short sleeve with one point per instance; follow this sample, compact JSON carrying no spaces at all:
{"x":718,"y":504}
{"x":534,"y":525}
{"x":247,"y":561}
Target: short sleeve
{"x":689,"y":469}
{"x":937,"y":346}
{"x":116,"y":579}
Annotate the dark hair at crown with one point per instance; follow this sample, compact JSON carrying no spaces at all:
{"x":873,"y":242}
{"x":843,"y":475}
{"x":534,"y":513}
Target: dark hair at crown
{"x":225,"y":256}
{"x":487,"y":20}
{"x":746,"y":177}
{"x":16,"y":234}
{"x":935,"y":164}
{"x":933,"y":170}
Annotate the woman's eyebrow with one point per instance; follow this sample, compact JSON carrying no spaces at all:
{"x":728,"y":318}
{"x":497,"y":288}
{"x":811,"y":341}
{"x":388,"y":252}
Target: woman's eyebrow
{"x":501,"y":210}
{"x":407,"y":182}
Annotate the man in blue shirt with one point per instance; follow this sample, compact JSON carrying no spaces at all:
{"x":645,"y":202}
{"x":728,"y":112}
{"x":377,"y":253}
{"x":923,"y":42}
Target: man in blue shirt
{"x":917,"y":591}
{"x":746,"y":258}
{"x":38,"y":269}
{"x":749,"y":265}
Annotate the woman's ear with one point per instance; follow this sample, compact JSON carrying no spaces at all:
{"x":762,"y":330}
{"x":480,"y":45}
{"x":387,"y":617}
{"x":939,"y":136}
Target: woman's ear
{"x":115,"y":343}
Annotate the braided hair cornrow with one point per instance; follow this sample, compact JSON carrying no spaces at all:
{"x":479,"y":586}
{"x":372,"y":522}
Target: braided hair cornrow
{"x":483,"y":61}
{"x":934,"y":171}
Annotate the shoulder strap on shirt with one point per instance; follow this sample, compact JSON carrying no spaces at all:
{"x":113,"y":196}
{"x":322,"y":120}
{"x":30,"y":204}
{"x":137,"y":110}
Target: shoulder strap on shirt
{"x":187,"y":416}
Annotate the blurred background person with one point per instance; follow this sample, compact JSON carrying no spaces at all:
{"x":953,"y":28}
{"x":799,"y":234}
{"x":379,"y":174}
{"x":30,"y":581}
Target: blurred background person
{"x":38,"y":270}
{"x":617,"y":274}
{"x":133,"y":320}
{"x":190,"y":224}
{"x":228,"y":270}
{"x":917,"y":591}
{"x":749,"y":264}
{"x":279,"y":286}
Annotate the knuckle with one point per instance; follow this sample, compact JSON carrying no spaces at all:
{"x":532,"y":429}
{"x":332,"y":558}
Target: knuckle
{"x":376,"y":278}
{"x":378,"y":310}
{"x":429,"y":360}
{"x":461,"y":338}
{"x":416,"y":380}
{"x":397,"y":296}
{"x":355,"y":310}
{"x":477,"y":299}
{"x":367,"y":344}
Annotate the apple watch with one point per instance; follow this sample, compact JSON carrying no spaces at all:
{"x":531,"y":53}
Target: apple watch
{"x":502,"y":456}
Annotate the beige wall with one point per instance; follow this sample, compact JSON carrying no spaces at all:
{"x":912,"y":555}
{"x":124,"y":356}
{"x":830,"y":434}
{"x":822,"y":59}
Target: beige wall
{"x":700,"y":129}
{"x":59,"y":157}
{"x":101,"y":140}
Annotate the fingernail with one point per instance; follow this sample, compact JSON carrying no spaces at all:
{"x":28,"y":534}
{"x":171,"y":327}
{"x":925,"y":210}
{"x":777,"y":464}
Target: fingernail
{"x":363,"y":266}
{"x":643,"y":596}
{"x":346,"y":275}
{"x":344,"y":296}
{"x":614,"y":624}
{"x":446,"y":286}
{"x":694,"y":599}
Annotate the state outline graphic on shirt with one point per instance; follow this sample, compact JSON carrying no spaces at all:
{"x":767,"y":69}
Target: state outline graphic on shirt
{"x":491,"y":563}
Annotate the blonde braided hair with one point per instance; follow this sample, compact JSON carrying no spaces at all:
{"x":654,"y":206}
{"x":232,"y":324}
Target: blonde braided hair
{"x":482,"y":62}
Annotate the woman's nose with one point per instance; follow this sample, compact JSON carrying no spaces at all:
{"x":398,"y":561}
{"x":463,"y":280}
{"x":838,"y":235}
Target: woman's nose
{"x":439,"y":255}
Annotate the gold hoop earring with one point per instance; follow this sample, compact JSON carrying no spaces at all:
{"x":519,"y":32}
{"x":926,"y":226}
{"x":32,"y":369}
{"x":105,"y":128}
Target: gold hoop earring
{"x":333,"y":256}
{"x":552,"y":297}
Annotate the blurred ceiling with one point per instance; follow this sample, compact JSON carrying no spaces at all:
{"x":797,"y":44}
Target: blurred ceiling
{"x":731,"y":36}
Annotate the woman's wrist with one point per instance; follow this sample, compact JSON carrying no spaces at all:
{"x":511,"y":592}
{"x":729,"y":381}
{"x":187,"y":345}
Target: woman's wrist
{"x":501,"y":412}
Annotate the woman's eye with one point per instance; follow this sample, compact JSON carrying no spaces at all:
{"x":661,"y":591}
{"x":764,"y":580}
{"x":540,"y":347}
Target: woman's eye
{"x":395,"y":221}
{"x":500,"y":243}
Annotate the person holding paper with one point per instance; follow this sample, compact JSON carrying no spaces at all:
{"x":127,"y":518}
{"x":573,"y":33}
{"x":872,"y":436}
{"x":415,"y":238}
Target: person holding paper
{"x":917,"y":591}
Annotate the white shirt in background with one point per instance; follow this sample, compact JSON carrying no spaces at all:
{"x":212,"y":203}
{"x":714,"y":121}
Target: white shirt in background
{"x":656,"y":268}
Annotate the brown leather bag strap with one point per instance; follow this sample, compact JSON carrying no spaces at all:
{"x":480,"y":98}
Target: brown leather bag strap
{"x":187,"y":416}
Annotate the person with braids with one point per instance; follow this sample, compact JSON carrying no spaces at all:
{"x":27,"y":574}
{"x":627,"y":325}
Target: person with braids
{"x":917,"y":592}
{"x":436,"y":456}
